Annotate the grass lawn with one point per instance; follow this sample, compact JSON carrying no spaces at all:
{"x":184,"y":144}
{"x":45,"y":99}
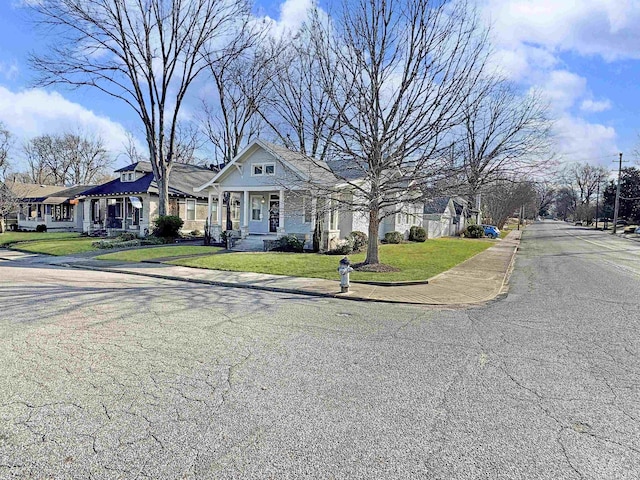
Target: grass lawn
{"x":416,"y":261}
{"x":138,"y":255}
{"x":7,"y":238}
{"x":63,"y":246}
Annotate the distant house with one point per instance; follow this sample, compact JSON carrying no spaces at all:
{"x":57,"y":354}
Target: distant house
{"x":268,"y":190}
{"x":130,"y":202}
{"x":446,"y":216}
{"x":56,"y":207}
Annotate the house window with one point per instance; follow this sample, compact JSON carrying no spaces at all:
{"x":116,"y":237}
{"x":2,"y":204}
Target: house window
{"x":256,"y":209}
{"x":191,"y":209}
{"x":235,"y":211}
{"x":63,"y":213}
{"x":260,"y":169}
{"x":214,"y":213}
{"x":333,"y":217}
{"x":306,"y":209}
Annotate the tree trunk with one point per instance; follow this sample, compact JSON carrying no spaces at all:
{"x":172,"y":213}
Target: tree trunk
{"x":163,"y":191}
{"x":372,"y":246}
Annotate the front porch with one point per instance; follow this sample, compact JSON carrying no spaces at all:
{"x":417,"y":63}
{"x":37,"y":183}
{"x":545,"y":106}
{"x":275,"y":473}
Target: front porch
{"x":114,"y":215}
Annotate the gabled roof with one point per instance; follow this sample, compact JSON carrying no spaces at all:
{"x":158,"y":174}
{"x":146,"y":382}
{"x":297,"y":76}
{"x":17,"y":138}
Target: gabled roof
{"x":436,"y":205}
{"x":307,"y":168}
{"x":33,"y":191}
{"x":182,"y":180}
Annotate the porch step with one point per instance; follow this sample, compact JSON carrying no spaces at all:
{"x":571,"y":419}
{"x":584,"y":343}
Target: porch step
{"x":252,"y":243}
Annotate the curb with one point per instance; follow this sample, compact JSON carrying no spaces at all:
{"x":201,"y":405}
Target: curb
{"x":220,"y":283}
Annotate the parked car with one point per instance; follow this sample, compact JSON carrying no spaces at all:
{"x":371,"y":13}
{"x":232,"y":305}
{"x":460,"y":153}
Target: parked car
{"x":638,"y":230}
{"x":491,"y":231}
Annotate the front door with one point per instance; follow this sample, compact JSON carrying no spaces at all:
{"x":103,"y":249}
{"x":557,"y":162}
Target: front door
{"x":274,"y":214}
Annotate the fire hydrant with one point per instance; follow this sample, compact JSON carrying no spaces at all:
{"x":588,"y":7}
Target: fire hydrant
{"x":344,"y":269}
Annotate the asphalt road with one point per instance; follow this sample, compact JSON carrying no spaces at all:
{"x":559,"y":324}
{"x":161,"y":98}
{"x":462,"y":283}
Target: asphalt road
{"x":112,"y":376}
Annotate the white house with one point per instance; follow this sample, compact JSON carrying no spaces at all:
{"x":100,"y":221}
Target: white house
{"x":270,"y":190}
{"x":445,"y":216}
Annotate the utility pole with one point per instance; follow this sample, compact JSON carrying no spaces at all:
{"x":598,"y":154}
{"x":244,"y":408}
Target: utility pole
{"x":598,"y":199}
{"x":617,"y":204}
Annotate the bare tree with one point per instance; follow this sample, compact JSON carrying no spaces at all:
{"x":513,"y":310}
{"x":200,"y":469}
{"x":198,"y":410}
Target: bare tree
{"x":6,"y":142}
{"x":545,"y":195}
{"x":505,"y":197}
{"x":503,"y":135}
{"x":66,"y":159}
{"x":230,"y":119}
{"x":8,"y":200}
{"x":397,"y":72}
{"x":145,"y":53}
{"x":299,"y":111}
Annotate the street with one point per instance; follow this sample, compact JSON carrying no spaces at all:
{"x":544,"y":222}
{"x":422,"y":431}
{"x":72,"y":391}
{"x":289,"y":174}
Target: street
{"x":107,"y":375}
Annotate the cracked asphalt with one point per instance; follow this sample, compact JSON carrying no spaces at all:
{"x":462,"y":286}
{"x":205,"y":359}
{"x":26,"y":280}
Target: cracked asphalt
{"x":105,"y":376}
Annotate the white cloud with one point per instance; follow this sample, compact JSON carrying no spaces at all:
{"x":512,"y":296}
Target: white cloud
{"x":9,"y":70}
{"x":579,"y":140}
{"x":595,"y":105}
{"x":293,"y":13}
{"x":28,"y":113}
{"x":607,"y":28}
{"x":563,"y":89}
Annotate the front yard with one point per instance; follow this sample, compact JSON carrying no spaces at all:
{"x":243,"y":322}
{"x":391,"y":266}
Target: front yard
{"x":416,"y":261}
{"x":8,"y":238}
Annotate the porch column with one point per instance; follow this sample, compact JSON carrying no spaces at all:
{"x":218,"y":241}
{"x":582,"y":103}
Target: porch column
{"x":209,"y":204}
{"x":220,"y":200}
{"x":244,"y":229}
{"x":281,"y":213}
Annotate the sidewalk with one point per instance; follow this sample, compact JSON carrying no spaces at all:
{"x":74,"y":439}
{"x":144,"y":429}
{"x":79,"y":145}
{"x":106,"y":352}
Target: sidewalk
{"x":475,"y":281}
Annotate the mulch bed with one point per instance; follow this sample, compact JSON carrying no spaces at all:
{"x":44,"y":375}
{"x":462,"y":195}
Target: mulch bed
{"x":374,"y":267}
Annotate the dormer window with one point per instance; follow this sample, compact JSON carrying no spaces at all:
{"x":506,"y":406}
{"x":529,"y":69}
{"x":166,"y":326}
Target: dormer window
{"x":260,"y":169}
{"x":127,"y":177}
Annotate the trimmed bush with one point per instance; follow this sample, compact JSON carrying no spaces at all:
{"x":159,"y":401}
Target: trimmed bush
{"x":393,"y":237}
{"x":343,"y":247}
{"x":127,"y":236}
{"x":474,"y":231}
{"x":360,"y":240}
{"x":41,"y":228}
{"x":289,"y":243}
{"x":417,"y":234}
{"x":167,"y":226}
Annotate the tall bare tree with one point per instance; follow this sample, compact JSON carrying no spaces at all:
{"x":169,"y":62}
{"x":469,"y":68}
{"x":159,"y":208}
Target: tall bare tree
{"x":505,"y":197}
{"x":230,"y":118}
{"x":145,"y":53}
{"x":504,"y":134}
{"x":8,"y":200}
{"x":6,"y":141}
{"x":67,"y":159}
{"x":397,"y":72}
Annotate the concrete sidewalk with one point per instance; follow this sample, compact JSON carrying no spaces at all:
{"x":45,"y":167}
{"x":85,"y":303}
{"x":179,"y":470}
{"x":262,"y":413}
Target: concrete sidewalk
{"x":475,"y":281}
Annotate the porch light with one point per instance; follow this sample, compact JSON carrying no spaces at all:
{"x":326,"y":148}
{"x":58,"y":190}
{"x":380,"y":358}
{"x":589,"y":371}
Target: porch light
{"x":262,"y":200}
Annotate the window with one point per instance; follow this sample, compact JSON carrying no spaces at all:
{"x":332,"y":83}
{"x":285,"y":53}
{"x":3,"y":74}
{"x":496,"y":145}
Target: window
{"x":191,"y":209}
{"x":260,"y":169}
{"x":129,"y":177}
{"x":333,"y":218}
{"x":214,"y":213}
{"x":306,"y":209}
{"x":256,"y":209}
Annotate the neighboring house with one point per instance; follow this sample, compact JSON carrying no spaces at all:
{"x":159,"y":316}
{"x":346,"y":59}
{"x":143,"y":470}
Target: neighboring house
{"x":54,"y":206}
{"x":446,"y":216}
{"x":130,"y":202}
{"x":270,"y":190}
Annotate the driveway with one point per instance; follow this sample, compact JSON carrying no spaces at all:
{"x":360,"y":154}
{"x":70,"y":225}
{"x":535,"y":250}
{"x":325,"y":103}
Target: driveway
{"x":107,"y":375}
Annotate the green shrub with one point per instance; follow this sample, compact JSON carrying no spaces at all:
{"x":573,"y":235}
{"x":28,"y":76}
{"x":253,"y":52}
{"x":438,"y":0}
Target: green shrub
{"x":167,"y":226}
{"x":195,"y":233}
{"x":417,"y":234}
{"x":41,"y":228}
{"x":115,"y":243}
{"x":126,"y":236}
{"x":474,"y":231}
{"x":289,"y":243}
{"x":360,"y":240}
{"x":151,"y":240}
{"x":343,"y":247}
{"x":393,"y":237}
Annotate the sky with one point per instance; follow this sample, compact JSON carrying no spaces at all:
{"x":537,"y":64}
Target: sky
{"x":583,"y":55}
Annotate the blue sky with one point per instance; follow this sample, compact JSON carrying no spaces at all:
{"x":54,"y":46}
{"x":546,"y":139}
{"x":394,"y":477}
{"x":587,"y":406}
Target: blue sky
{"x":584,"y":55}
